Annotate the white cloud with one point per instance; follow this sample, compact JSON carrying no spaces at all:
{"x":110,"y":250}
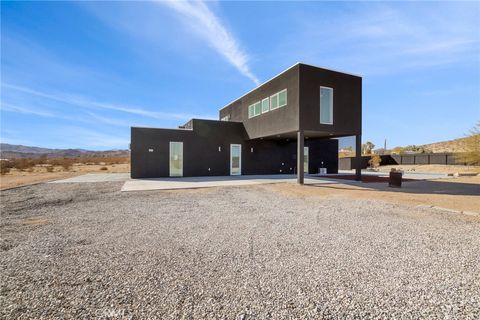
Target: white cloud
{"x":90,"y":138}
{"x":203,"y":22}
{"x":378,"y":38}
{"x":86,"y":103}
{"x":18,"y":109}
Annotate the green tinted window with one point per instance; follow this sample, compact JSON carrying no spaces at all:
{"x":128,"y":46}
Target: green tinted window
{"x":282,"y":98}
{"x":274,"y":102}
{"x":326,"y":105}
{"x":251,"y":111}
{"x":258,"y":108}
{"x":265,"y":105}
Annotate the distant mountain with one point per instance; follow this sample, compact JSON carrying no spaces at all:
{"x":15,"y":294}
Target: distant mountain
{"x":9,"y":151}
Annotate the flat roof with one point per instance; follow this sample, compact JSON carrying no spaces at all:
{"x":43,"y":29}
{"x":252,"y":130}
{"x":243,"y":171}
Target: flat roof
{"x":279,"y":74}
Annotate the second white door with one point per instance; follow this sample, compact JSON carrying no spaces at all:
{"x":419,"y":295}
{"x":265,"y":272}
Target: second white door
{"x":235,"y":159}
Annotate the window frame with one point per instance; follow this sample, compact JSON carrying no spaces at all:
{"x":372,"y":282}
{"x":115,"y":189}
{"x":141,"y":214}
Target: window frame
{"x":286,"y":98}
{"x":268,"y":105}
{"x":331,"y":105}
{"x":251,"y":111}
{"x":258,"y":103}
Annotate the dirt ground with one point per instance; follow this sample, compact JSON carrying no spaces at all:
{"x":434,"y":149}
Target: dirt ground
{"x":17,"y":178}
{"x":435,"y":168}
{"x":462,"y":193}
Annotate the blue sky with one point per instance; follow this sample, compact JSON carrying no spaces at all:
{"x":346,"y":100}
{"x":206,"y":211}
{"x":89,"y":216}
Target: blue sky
{"x":79,"y":74}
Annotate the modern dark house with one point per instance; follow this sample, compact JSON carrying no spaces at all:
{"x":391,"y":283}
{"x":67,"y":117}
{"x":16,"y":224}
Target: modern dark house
{"x":285,"y":125}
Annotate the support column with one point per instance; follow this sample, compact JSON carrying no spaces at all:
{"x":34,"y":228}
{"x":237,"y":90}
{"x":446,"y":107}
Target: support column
{"x":300,"y":157}
{"x":358,"y":157}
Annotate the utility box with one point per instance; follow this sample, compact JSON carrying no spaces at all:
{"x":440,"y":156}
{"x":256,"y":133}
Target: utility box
{"x":395,"y":180}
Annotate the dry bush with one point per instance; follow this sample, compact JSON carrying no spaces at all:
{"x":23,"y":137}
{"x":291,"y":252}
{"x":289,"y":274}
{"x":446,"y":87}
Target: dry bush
{"x":5,"y":167}
{"x":49,"y":168}
{"x":23,"y":163}
{"x":374,"y":161}
{"x":103,"y":168}
{"x":4,"y":170}
{"x":472,"y":146}
{"x":67,"y":163}
{"x":42,"y":159}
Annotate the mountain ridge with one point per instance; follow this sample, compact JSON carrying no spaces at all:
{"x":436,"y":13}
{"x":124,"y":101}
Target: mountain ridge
{"x":8,"y":151}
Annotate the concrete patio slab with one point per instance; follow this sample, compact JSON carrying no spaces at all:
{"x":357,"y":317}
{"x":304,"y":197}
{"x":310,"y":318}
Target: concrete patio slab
{"x":208,"y":182}
{"x":96,"y":177}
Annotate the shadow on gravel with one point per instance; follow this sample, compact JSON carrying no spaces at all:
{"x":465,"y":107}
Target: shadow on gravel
{"x":417,"y":187}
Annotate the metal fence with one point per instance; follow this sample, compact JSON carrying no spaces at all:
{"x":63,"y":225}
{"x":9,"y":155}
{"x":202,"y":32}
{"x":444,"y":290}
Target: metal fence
{"x":417,"y":158}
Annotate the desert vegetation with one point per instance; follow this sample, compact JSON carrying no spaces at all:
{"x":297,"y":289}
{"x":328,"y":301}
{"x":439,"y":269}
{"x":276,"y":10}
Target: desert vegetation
{"x":471,"y":146}
{"x":374,"y":161}
{"x":57,"y":164}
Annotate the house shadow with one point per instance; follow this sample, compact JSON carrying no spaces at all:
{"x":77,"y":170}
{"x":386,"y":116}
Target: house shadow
{"x":433,"y":187}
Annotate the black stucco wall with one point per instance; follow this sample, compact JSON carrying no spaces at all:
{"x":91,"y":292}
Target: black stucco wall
{"x":347,"y":101}
{"x":203,"y":158}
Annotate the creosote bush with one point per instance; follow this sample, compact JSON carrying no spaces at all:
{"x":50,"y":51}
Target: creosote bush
{"x":5,"y":167}
{"x":374,"y":161}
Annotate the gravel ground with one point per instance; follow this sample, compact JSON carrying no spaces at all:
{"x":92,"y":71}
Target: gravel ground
{"x":89,"y":251}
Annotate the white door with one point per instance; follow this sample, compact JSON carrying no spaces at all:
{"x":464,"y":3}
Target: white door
{"x":235,"y":159}
{"x":176,"y":159}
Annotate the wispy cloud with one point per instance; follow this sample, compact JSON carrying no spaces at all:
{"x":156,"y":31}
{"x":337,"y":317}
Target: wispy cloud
{"x":379,"y":39}
{"x":95,"y":139}
{"x":87,"y":103}
{"x":202,"y":21}
{"x":23,"y":110}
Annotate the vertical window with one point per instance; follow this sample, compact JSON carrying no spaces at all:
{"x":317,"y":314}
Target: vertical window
{"x":326,"y":105}
{"x":265,"y":105}
{"x":282,"y":98}
{"x":258,"y":108}
{"x":305,"y":159}
{"x":251,"y":111}
{"x":274,"y":101}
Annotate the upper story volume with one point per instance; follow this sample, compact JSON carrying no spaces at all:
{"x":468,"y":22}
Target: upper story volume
{"x":318,"y":101}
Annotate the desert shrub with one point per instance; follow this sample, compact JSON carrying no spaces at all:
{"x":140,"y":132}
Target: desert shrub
{"x":5,"y":167}
{"x":367,"y":147}
{"x":66,"y":164}
{"x":23,"y":163}
{"x":42,"y":159}
{"x":374,"y":161}
{"x":49,"y":168}
{"x":104,"y":168}
{"x":472,"y":146}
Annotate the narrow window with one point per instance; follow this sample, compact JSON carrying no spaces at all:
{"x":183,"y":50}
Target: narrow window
{"x":251,"y":111}
{"x":282,"y":98}
{"x":326,"y":105}
{"x":258,"y":108}
{"x":274,"y":101}
{"x":265,"y":105}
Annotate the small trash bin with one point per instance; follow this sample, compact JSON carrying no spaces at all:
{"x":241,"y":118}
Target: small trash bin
{"x":395,"y":180}
{"x":322,"y":170}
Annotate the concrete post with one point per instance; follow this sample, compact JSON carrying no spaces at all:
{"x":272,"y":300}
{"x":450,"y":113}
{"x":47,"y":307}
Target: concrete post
{"x":300,"y":157}
{"x":358,"y":157}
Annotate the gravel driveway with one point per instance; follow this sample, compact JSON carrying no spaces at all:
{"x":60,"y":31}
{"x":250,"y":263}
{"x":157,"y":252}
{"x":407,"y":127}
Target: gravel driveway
{"x":89,"y":251}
